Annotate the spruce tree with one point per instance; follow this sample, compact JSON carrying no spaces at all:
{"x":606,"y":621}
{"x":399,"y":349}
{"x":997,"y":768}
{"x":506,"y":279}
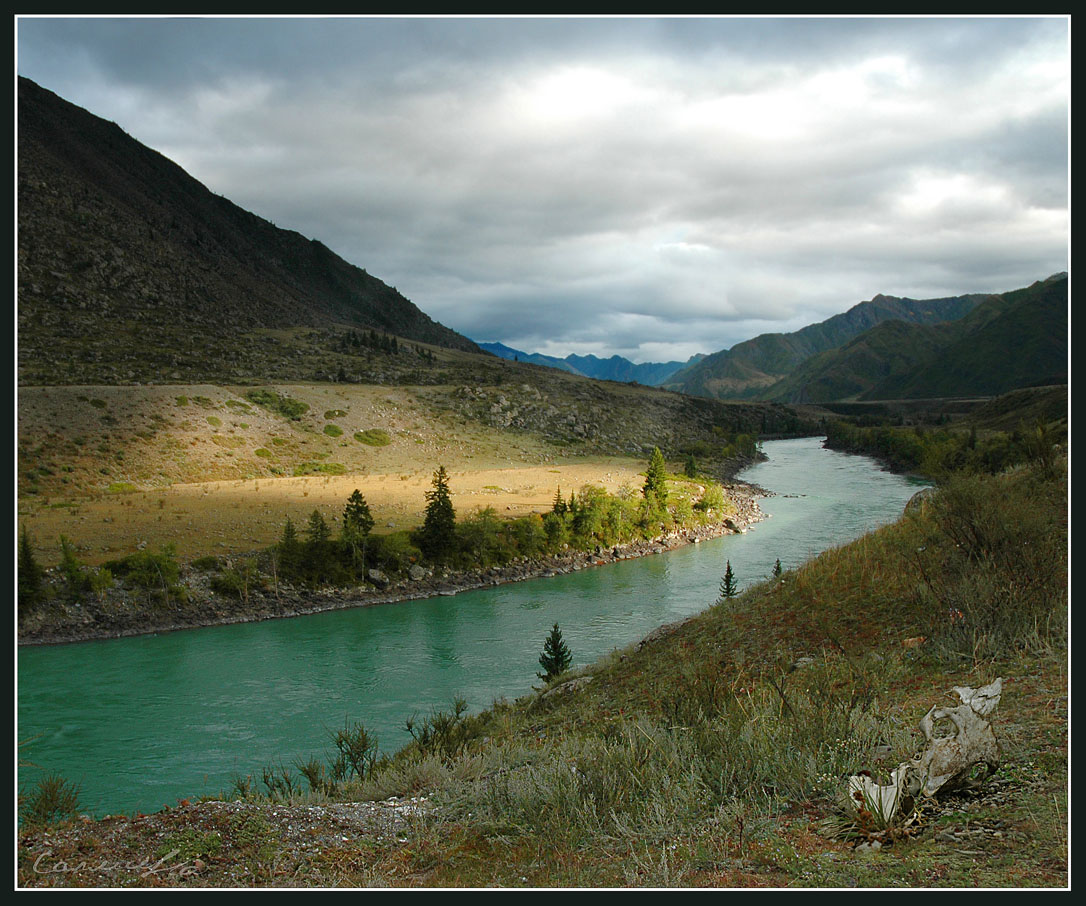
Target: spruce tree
{"x":656,"y":477}
{"x":437,"y":538}
{"x":31,"y":574}
{"x":729,"y":588}
{"x":289,"y":551}
{"x":556,"y":658}
{"x":357,"y":524}
{"x":777,"y":569}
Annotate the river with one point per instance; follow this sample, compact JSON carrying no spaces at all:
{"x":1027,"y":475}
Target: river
{"x":140,"y":722}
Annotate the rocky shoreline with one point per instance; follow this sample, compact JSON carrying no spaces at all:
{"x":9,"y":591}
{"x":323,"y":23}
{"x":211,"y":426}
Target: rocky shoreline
{"x":122,"y":617}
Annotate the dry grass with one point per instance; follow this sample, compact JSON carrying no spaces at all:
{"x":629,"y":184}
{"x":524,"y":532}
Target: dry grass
{"x":173,"y":476}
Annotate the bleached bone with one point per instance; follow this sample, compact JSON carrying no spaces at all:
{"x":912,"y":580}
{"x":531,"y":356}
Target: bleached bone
{"x":947,"y":762}
{"x":884,"y":801}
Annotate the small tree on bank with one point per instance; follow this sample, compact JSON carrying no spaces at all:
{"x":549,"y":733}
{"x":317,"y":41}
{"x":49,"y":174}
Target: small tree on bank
{"x":357,"y":524}
{"x":729,"y":588}
{"x":437,"y":537}
{"x":656,"y":478}
{"x":556,"y":658}
{"x":31,"y":575}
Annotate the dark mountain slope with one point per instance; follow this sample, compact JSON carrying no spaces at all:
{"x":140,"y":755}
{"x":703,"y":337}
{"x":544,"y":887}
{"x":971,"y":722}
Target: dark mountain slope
{"x":747,"y":369}
{"x":118,"y":243}
{"x":1016,"y":339}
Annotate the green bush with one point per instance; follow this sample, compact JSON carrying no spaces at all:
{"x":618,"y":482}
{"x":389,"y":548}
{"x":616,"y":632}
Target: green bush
{"x":281,"y":405}
{"x":320,"y":468}
{"x":333,"y":430}
{"x":374,"y":437}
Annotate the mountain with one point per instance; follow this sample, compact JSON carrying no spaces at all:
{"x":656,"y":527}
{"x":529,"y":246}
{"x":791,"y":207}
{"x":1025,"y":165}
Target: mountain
{"x":615,"y":368}
{"x":749,"y":368}
{"x":130,"y":269}
{"x":532,"y":358}
{"x":1011,"y":340}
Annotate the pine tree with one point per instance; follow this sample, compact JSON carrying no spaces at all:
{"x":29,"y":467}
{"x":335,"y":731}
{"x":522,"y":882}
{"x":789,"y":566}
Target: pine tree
{"x":691,"y":466}
{"x":357,"y":524}
{"x":30,"y":574}
{"x":317,"y":529}
{"x":777,"y":569}
{"x":559,"y":506}
{"x":289,"y":551}
{"x":556,"y":658}
{"x":729,"y":588}
{"x":656,"y":477}
{"x":437,"y":538}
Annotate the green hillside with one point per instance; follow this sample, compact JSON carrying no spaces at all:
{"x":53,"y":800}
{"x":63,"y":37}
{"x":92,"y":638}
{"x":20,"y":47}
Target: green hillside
{"x":748,"y":368}
{"x":1016,"y":339}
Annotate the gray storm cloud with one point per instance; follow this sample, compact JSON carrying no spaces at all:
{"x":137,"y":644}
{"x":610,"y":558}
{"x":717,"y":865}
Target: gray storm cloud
{"x":652,"y":187}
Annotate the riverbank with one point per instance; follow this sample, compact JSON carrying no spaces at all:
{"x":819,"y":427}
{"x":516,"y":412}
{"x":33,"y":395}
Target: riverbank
{"x":122,"y":613}
{"x":714,"y":755}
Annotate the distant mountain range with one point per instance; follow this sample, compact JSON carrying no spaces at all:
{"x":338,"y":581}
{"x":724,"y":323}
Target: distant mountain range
{"x":113,"y":233}
{"x":616,"y":368}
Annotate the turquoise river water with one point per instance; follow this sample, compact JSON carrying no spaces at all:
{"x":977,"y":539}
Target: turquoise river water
{"x":140,"y":722}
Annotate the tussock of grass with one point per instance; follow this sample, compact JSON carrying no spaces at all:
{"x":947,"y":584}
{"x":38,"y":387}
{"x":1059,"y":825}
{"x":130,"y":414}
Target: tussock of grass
{"x":373,"y":437}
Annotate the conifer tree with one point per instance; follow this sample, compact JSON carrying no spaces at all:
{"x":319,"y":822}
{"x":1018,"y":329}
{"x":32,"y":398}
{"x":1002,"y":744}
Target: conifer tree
{"x":289,"y":551}
{"x":656,"y":477}
{"x":437,"y":538}
{"x":357,"y":524}
{"x":729,"y":588}
{"x":777,"y":569}
{"x":30,"y":574}
{"x":556,"y":657}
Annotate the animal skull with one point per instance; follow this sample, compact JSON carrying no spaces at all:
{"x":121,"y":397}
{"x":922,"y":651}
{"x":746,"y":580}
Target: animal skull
{"x":946,"y":763}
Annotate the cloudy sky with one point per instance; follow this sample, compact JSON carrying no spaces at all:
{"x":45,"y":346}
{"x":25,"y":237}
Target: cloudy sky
{"x":649,"y":187}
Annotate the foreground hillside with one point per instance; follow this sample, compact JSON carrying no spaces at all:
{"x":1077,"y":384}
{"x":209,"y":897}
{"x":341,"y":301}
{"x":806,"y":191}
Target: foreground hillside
{"x":714,"y":753}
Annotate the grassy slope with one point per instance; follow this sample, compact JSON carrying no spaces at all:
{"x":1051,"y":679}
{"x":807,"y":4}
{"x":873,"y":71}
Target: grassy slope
{"x":712,"y":754}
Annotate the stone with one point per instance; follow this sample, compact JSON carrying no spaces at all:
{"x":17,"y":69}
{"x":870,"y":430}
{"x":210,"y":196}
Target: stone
{"x":377,"y":577}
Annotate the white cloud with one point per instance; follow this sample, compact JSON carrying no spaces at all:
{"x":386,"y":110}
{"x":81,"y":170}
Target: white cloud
{"x":607,"y":184}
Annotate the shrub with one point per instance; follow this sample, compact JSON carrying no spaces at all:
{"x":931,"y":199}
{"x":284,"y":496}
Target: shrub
{"x":994,"y":563}
{"x":281,"y":405}
{"x":394,"y":552}
{"x":373,"y":437}
{"x":333,"y":430}
{"x":52,"y":800}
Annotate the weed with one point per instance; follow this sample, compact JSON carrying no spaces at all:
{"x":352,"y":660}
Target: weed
{"x":52,"y":800}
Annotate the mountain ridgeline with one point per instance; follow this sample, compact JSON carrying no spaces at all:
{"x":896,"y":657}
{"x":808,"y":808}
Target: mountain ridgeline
{"x":749,"y":369}
{"x":129,"y":268}
{"x":889,"y":348}
{"x":615,"y":368}
{"x":1013,"y":340}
